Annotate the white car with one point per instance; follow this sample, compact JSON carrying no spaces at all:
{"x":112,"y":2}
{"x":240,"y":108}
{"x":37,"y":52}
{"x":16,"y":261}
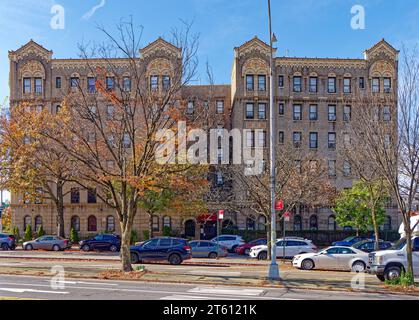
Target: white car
{"x":333,"y":258}
{"x":231,"y":242}
{"x":285,"y":248}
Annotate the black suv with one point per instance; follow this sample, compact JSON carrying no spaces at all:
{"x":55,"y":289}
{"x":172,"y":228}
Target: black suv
{"x":102,"y":242}
{"x":7,"y":242}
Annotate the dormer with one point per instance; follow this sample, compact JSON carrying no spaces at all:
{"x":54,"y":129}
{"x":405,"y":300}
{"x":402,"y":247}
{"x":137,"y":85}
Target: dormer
{"x":382,"y":50}
{"x":31,"y":50}
{"x":161,"y":47}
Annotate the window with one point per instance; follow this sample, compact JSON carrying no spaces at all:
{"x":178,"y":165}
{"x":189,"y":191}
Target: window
{"x":297,"y":114}
{"x":387,"y":141}
{"x":262,"y":83}
{"x":262,"y":139}
{"x":26,"y":85}
{"x":74,"y":82}
{"x":110,"y":164}
{"x":58,"y":82}
{"x":250,"y":83}
{"x":347,"y":85}
{"x":281,"y":137}
{"x":296,"y":137}
{"x":331,"y":140}
{"x":27,"y":221}
{"x":38,"y":223}
{"x":313,"y":140}
{"x":57,"y":108}
{"x":110,"y":83}
{"x":91,"y":85}
{"x":297,"y":84}
{"x":38,"y":198}
{"x":331,"y":223}
{"x":331,"y":85}
{"x":297,"y":164}
{"x":91,"y":137}
{"x":386,"y":113}
{"x":332,"y":168}
{"x":167,"y":222}
{"x":126,"y":84}
{"x":262,"y":223}
{"x":249,"y":111}
{"x":155,"y":223}
{"x":281,"y":109}
{"x":91,"y":196}
{"x":313,"y":112}
{"x":281,"y":81}
{"x":75,"y":223}
{"x":361,"y":83}
{"x":375,"y":85}
{"x":91,"y":224}
{"x":110,"y":224}
{"x":250,"y":223}
{"x":38,"y":85}
{"x":313,"y":84}
{"x":190,"y":107}
{"x":346,"y":113}
{"x":250,"y":139}
{"x":127,"y":140}
{"x":219,"y":178}
{"x":109,"y":112}
{"x":166,"y":82}
{"x":93,"y":110}
{"x":298,"y":224}
{"x":154,"y":83}
{"x":387,"y":223}
{"x":75,"y":195}
{"x":387,"y":85}
{"x":346,"y":168}
{"x":220,"y":106}
{"x":262,"y":111}
{"x":331,"y":115}
{"x":39,"y":108}
{"x":313,"y":223}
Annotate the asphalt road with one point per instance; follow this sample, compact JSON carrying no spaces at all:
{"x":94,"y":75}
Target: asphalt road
{"x":28,"y":287}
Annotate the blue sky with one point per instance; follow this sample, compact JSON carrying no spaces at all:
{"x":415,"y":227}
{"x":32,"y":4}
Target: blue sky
{"x":314,"y":28}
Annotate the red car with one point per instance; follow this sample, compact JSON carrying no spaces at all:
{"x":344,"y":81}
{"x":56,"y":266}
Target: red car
{"x":245,"y":248}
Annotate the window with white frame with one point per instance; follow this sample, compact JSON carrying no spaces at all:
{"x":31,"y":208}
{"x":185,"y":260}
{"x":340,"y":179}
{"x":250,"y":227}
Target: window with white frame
{"x":220,"y":106}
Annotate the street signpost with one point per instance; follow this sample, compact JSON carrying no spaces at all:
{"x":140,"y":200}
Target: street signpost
{"x":286,"y":218}
{"x":219,"y":219}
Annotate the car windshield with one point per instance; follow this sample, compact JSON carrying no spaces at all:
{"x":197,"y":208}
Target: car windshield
{"x":399,"y":244}
{"x":360,"y":243}
{"x":349,"y":238}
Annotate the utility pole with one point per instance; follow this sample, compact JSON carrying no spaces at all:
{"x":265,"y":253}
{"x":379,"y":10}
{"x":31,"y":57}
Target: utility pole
{"x":273,"y":267}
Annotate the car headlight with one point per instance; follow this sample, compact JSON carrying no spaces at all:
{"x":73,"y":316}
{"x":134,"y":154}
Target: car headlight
{"x":296,"y":257}
{"x":378,"y":259}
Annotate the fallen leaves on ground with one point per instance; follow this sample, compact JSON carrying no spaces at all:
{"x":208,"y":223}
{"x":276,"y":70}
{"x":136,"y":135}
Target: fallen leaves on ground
{"x":118,"y":274}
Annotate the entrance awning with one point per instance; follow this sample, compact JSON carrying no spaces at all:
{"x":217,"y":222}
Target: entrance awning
{"x":207,"y":217}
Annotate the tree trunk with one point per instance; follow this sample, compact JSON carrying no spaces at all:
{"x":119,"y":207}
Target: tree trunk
{"x":376,"y":231}
{"x":125,"y":248}
{"x":408,"y":232}
{"x":150,"y":225}
{"x":60,"y":211}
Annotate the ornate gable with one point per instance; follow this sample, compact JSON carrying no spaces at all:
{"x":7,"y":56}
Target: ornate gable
{"x":31,"y":48}
{"x":160,"y":45}
{"x":382,"y":48}
{"x":254,"y":45}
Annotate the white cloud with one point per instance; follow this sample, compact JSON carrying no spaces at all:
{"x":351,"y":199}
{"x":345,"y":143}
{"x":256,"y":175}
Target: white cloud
{"x":92,"y":11}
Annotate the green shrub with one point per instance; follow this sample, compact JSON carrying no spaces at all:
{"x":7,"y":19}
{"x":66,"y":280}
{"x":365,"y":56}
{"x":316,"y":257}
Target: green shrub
{"x":28,"y":233}
{"x":40,"y":232}
{"x":16,"y":233}
{"x":133,"y":237}
{"x":146,"y":234}
{"x":74,"y":236}
{"x":405,"y":280}
{"x":167,"y":231}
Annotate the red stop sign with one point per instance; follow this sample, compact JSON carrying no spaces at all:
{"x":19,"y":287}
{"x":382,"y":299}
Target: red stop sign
{"x":279,"y":205}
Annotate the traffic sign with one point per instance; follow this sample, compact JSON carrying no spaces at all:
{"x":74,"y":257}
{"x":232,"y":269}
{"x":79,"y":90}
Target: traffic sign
{"x":279,"y":205}
{"x":287,"y":216}
{"x":221,"y":214}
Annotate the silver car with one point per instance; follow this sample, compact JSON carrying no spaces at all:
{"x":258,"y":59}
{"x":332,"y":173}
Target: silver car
{"x":54,"y":243}
{"x":333,"y":258}
{"x":207,"y":249}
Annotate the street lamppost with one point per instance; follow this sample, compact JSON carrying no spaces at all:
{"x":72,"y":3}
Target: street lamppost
{"x":273,"y":267}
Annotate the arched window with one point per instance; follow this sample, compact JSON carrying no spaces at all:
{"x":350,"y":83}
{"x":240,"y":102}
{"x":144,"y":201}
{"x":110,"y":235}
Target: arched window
{"x":262,"y":223}
{"x":313,"y":222}
{"x":347,"y":228}
{"x":75,"y":223}
{"x":110,"y":224}
{"x":167,"y":221}
{"x":155,"y":223}
{"x":91,"y":224}
{"x":298,"y":224}
{"x":331,"y":222}
{"x":190,"y":229}
{"x":27,"y":221}
{"x":250,"y":223}
{"x":387,"y":223}
{"x":38,"y":222}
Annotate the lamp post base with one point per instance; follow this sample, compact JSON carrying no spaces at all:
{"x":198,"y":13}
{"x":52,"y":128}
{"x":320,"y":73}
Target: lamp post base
{"x":273,"y":272}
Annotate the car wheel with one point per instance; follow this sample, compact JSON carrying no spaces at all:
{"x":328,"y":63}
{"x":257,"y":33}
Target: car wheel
{"x":246,"y":252}
{"x":358,"y":266}
{"x":233,"y":248}
{"x":113,"y":248}
{"x":28,"y":247}
{"x":85,"y":248}
{"x":307,"y":264}
{"x":263,"y":255}
{"x":175,"y":259}
{"x":392,"y":273}
{"x":381,"y":277}
{"x":134,"y":258}
{"x":56,"y":247}
{"x":4,"y":247}
{"x":212,"y":255}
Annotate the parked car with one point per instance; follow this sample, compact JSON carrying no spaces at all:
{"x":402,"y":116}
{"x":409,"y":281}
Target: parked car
{"x":102,"y":242}
{"x":245,"y":248}
{"x":173,"y":250}
{"x":207,"y":249}
{"x":54,"y":243}
{"x":333,"y":258}
{"x":285,"y":248}
{"x":389,"y":264}
{"x":369,"y":245}
{"x":229,"y":241}
{"x":349,"y":241}
{"x":7,"y":241}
